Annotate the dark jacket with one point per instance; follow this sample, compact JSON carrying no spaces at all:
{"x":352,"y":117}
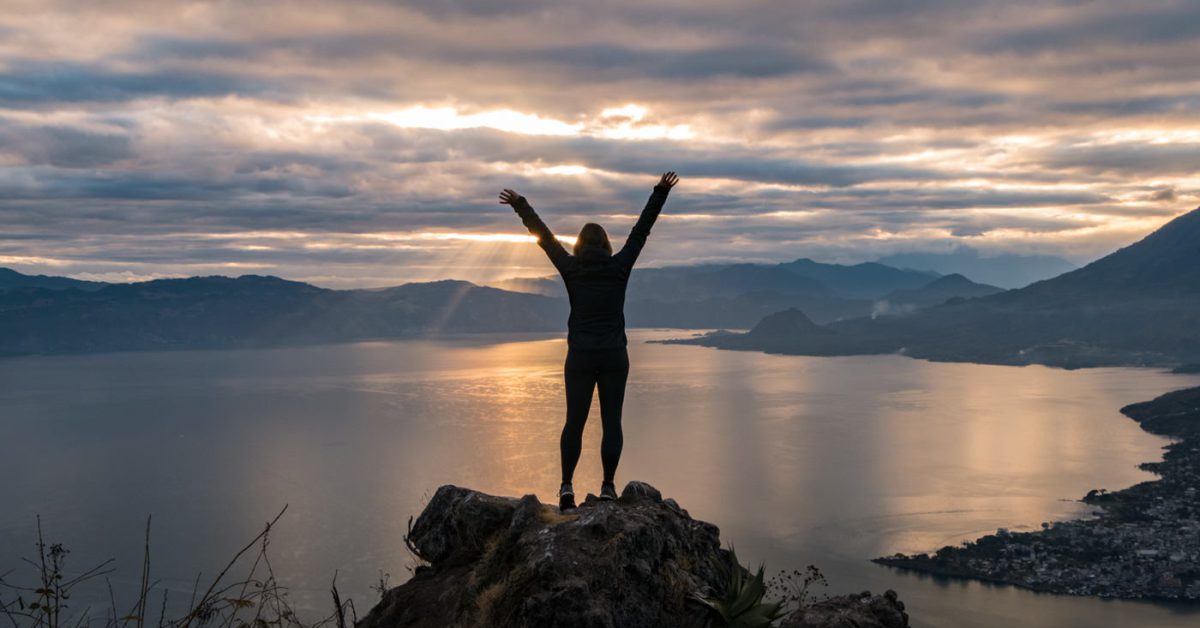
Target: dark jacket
{"x":595,"y":279}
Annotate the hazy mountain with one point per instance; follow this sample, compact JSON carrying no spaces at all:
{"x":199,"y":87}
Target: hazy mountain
{"x":933,"y":293}
{"x":1005,"y":270}
{"x":868,"y":280}
{"x":11,"y":279}
{"x":700,"y":282}
{"x":218,"y":312}
{"x":1139,"y":305}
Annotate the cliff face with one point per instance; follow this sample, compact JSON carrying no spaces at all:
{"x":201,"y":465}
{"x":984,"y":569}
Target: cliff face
{"x":639,"y":561}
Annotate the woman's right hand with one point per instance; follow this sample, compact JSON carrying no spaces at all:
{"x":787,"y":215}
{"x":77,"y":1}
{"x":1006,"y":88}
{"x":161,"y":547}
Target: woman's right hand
{"x":668,"y":180}
{"x":509,"y":197}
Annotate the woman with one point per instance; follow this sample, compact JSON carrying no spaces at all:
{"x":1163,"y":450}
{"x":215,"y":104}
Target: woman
{"x":596,"y":356}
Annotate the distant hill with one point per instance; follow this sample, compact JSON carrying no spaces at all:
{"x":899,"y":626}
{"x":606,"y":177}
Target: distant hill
{"x":1139,"y":305}
{"x":1006,"y":270}
{"x":11,"y":279}
{"x":933,"y":293}
{"x":790,"y":323}
{"x":254,"y":311}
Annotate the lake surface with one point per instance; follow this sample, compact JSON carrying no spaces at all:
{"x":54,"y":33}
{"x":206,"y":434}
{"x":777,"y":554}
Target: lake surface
{"x":830,"y":461}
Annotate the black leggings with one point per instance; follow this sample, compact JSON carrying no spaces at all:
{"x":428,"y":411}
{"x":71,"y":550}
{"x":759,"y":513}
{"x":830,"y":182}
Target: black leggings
{"x":584,"y":371}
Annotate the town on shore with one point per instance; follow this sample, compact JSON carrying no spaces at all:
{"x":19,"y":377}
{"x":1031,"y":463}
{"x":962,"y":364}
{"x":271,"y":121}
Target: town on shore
{"x":1144,"y":542}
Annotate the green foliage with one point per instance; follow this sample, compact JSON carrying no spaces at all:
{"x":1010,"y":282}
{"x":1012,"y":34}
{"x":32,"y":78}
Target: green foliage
{"x":741,"y":604}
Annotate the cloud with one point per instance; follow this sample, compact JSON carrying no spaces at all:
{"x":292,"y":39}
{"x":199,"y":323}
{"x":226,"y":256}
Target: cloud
{"x":41,"y":84}
{"x":1164,"y":194}
{"x":64,"y":147}
{"x":1127,"y":159}
{"x":1098,"y":25}
{"x":135,"y":138}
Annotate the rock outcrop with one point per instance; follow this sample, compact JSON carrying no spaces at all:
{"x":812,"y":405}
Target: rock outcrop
{"x":638,"y":561}
{"x":852,"y":611}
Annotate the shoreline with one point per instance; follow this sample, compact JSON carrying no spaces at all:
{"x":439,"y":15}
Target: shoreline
{"x":726,"y":340}
{"x":1144,"y":543}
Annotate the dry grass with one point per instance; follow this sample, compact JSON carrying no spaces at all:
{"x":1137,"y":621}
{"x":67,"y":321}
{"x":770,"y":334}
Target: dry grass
{"x":550,"y":516}
{"x":254,"y":599}
{"x":486,"y":601}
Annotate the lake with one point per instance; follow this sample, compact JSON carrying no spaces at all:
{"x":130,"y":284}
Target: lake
{"x":799,"y":460}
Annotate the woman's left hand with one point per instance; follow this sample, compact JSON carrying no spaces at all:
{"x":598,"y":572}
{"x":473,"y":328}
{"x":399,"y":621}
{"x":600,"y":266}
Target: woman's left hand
{"x":668,"y":180}
{"x":509,"y":197}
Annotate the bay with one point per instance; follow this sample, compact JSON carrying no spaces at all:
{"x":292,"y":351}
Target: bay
{"x":799,"y":460}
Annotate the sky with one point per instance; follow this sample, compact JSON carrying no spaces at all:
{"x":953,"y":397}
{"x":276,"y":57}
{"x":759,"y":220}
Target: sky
{"x":364,"y":143}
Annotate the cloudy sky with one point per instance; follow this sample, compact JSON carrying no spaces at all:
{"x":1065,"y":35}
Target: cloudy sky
{"x":364,"y":143}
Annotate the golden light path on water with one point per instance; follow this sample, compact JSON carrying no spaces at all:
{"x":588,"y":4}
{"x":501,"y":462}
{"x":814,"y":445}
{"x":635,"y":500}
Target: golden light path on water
{"x":1008,"y":428}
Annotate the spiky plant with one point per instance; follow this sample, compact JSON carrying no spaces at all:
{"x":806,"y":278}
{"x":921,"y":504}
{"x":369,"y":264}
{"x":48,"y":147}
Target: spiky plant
{"x":741,"y":604}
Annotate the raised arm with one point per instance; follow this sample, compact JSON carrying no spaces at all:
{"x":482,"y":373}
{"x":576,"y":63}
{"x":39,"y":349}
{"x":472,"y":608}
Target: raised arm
{"x":637,"y":237}
{"x":550,"y":244}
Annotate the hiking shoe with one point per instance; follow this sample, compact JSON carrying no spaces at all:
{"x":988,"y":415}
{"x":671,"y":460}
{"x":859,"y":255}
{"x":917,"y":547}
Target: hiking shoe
{"x":566,"y":498}
{"x":608,"y":491}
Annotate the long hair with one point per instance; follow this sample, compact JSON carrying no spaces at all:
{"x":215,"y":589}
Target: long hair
{"x":592,"y":235}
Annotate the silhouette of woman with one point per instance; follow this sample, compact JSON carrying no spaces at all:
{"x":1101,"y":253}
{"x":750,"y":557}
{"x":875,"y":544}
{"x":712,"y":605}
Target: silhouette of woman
{"x":596,"y":356}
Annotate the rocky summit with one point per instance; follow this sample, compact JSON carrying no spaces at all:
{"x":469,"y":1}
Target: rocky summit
{"x":637,"y":561}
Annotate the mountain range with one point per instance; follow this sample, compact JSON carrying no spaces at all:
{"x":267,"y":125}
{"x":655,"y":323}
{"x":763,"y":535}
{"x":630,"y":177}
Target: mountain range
{"x":41,"y":314}
{"x":255,"y":311}
{"x":1139,"y":305}
{"x":739,"y":295}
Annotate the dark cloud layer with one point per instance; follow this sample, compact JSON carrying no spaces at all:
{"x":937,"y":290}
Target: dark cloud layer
{"x":63,"y":147}
{"x":41,"y":84}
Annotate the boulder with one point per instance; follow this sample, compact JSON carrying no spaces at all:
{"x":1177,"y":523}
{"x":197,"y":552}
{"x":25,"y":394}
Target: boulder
{"x":852,"y":611}
{"x":635,"y":562}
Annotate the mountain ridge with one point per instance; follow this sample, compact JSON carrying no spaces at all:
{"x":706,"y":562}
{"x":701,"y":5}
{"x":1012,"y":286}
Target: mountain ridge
{"x":1139,"y":305}
{"x":255,"y":311}
{"x":11,"y":279}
